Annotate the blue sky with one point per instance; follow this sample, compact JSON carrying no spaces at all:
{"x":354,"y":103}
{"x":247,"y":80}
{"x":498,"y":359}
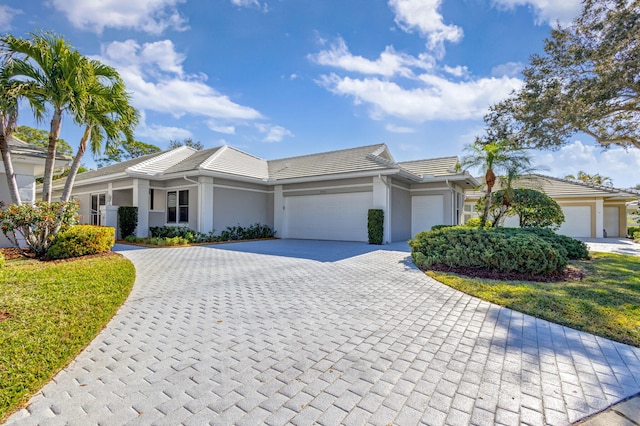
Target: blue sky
{"x":289,"y":77}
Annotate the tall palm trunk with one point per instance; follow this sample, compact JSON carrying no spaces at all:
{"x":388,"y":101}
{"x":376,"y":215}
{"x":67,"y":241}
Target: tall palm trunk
{"x":5,"y":133}
{"x":75,"y":166}
{"x":50,"y":162}
{"x":490,"y":179}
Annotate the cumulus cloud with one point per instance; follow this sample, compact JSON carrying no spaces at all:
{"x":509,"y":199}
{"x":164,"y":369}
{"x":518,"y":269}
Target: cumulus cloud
{"x":273,"y":133}
{"x":154,"y":75}
{"x":436,"y":99}
{"x":546,"y":11}
{"x":151,"y":16}
{"x":510,"y":69}
{"x":245,"y":3}
{"x":221,"y":128}
{"x":389,"y":63}
{"x":6,"y":16}
{"x":159,"y":133}
{"x":614,"y":163}
{"x":423,"y":15}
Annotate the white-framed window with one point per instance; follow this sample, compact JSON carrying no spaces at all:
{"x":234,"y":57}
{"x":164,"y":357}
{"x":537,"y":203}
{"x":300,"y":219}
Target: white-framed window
{"x":178,"y":206}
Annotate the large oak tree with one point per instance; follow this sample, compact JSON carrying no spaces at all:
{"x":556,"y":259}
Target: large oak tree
{"x":586,"y":81}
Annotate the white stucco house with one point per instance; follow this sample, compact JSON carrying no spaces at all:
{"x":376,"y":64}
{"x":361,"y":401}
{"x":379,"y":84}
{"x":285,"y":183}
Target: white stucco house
{"x":28,"y":164}
{"x":591,"y":211}
{"x":318,"y":196}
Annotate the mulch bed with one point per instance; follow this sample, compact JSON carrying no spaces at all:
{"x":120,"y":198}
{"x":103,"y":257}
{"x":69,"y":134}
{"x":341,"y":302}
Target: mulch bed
{"x":14,"y":253}
{"x":569,"y":274}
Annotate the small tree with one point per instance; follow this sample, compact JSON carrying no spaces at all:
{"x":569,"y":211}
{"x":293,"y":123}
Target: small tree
{"x":128,"y":220}
{"x":534,"y":208}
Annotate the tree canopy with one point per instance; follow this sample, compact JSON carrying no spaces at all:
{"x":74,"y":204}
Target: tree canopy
{"x":41,"y":138}
{"x":534,"y":208}
{"x":186,"y":142}
{"x":585,"y":177}
{"x":586,"y":81}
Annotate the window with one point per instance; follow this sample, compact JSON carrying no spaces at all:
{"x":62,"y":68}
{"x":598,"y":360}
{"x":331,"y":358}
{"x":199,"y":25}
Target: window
{"x":97,"y":201}
{"x":151,"y":203}
{"x":178,"y":206}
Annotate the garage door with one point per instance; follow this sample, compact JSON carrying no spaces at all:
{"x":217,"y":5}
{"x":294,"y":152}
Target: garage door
{"x":341,"y":217}
{"x":577,"y":221}
{"x":426,"y":211}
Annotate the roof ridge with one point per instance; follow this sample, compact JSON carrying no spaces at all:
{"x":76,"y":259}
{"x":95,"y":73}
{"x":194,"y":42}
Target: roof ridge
{"x":328,"y":152}
{"x":428,"y":159}
{"x":585,"y":184}
{"x":160,"y":157}
{"x":213,"y":157}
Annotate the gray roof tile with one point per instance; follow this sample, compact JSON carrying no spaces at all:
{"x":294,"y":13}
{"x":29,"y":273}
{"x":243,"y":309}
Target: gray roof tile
{"x":431,"y":167}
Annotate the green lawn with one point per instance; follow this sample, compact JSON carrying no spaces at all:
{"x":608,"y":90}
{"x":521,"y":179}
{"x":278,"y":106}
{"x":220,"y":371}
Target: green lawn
{"x":49,"y":311}
{"x":605,"y":303}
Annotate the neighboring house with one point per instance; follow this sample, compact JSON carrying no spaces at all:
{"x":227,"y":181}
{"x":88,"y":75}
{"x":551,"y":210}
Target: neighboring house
{"x":28,"y":164}
{"x":591,"y":211}
{"x":318,"y":196}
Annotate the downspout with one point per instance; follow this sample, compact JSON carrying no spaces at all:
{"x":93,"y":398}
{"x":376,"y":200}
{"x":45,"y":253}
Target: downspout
{"x":199,"y":201}
{"x":453,"y":206}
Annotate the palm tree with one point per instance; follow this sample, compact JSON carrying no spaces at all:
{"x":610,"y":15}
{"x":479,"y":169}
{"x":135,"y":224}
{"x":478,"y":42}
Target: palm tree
{"x":519,"y":166}
{"x":59,"y":76}
{"x":589,"y":178}
{"x":492,"y":157}
{"x":107,"y":114}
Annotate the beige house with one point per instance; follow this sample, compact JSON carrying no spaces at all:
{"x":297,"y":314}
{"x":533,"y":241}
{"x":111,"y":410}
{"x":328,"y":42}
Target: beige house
{"x":591,"y":211}
{"x":318,"y":196}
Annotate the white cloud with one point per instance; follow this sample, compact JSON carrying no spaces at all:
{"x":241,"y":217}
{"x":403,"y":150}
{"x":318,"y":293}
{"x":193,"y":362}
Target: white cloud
{"x":6,"y":16}
{"x":457,"y":71}
{"x":399,"y":129}
{"x":389,"y":63}
{"x":151,"y":16}
{"x":546,"y":11}
{"x":510,"y":69}
{"x":159,"y":133}
{"x":220,"y":128}
{"x":154,"y":75}
{"x":273,"y":133}
{"x":436,"y":99}
{"x":424,"y":16}
{"x":614,"y":163}
{"x":245,"y":3}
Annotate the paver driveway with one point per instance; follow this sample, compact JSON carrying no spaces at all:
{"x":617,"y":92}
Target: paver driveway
{"x":334,"y":333}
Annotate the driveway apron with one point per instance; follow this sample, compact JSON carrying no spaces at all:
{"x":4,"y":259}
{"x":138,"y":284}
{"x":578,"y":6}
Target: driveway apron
{"x":303,"y":332}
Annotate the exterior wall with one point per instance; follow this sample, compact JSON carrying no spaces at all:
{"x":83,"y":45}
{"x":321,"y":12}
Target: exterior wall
{"x":233,"y":207}
{"x":26,"y":187}
{"x":401,"y":212}
{"x":123,"y":197}
{"x":439,"y":188}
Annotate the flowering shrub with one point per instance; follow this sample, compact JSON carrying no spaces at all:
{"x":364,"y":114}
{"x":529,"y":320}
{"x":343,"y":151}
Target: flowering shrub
{"x":36,"y":225}
{"x":82,"y":240}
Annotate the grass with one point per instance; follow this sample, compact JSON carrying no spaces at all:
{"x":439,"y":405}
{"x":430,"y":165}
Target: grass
{"x":605,"y":303}
{"x":49,"y":311}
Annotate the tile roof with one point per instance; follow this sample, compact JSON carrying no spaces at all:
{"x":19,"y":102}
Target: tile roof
{"x":563,"y":188}
{"x":364,"y":158}
{"x":431,"y":167}
{"x":115,"y":168}
{"x":19,"y":147}
{"x":235,"y":162}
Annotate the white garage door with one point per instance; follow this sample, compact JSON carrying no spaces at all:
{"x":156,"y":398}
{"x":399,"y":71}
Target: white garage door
{"x":341,"y":217}
{"x":612,"y":221}
{"x":426,"y":211}
{"x":577,"y":221}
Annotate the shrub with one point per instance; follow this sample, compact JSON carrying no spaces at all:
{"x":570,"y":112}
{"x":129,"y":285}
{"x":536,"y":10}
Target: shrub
{"x":253,"y":232}
{"x":2,"y":263}
{"x":133,"y":239}
{"x":474,"y":222}
{"x":375,"y":226}
{"x":173,"y":231}
{"x":36,"y":224}
{"x":82,"y":240}
{"x":505,"y":252}
{"x":570,"y":247}
{"x":128,"y":220}
{"x":631,"y":231}
{"x":436,"y":227}
{"x":636,"y":237}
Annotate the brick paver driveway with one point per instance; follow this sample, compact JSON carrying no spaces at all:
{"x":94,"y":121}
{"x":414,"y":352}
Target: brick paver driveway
{"x":300,"y":332}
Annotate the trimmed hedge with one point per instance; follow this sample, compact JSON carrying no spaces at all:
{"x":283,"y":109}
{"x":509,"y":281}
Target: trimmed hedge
{"x":82,"y":240}
{"x":505,"y":252}
{"x":375,"y":226}
{"x":570,"y":247}
{"x":128,"y":220}
{"x":631,"y":231}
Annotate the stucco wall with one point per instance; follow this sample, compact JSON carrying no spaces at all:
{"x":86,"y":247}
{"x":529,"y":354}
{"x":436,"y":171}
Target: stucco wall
{"x":400,"y":212}
{"x":233,"y":207}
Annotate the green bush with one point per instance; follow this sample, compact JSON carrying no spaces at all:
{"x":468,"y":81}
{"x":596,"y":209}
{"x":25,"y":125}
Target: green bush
{"x":82,"y":240}
{"x":128,"y":220}
{"x":436,"y":227}
{"x":505,"y":252}
{"x":375,"y":226}
{"x":253,"y":232}
{"x":636,"y":237}
{"x":2,"y":263}
{"x":631,"y":231}
{"x":474,"y":222}
{"x":570,"y":247}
